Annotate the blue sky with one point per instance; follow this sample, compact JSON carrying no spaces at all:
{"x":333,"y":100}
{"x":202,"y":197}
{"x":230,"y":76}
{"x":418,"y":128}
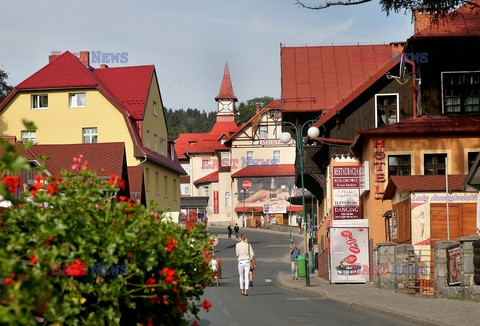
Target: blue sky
{"x":188,"y":41}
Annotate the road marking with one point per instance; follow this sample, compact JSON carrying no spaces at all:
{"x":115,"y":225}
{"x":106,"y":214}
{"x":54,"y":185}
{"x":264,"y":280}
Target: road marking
{"x":268,"y":280}
{"x":299,"y":299}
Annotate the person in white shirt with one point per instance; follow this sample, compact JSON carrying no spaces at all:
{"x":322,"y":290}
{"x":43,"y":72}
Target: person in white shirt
{"x":214,"y":267}
{"x":244,"y":252}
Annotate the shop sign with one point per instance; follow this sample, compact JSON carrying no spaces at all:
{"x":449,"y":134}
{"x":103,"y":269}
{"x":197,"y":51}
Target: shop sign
{"x":379,"y":167}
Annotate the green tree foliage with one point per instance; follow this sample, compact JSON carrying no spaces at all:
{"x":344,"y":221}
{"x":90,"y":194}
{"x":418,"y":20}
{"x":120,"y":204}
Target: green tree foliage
{"x":439,"y":8}
{"x":4,"y":87}
{"x":75,"y":253}
{"x":187,"y":121}
{"x":247,"y":109}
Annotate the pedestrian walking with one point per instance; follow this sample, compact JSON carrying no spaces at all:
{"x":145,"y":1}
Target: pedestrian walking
{"x":294,"y":253}
{"x":253,"y":265}
{"x":229,"y":229}
{"x":244,"y":252}
{"x":214,"y":267}
{"x":205,"y":220}
{"x":236,"y":229}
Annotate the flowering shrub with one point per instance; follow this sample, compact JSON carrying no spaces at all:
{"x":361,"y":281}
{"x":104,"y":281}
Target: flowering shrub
{"x":71,"y":222}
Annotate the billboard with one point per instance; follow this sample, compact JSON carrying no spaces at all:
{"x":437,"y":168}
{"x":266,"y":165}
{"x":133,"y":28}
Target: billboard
{"x":346,"y":194}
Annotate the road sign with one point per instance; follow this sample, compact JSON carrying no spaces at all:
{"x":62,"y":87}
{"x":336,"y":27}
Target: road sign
{"x":247,"y":185}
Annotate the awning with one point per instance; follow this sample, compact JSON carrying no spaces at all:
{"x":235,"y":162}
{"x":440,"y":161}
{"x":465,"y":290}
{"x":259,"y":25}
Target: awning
{"x":193,"y":202}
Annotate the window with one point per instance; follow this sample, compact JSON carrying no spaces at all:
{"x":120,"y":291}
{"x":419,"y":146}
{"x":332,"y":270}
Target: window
{"x":276,"y":157}
{"x":387,"y":111}
{"x":206,"y":164}
{"x":78,"y":100}
{"x":147,"y":179}
{"x":228,"y":199}
{"x":225,"y":159}
{"x":157,"y":183}
{"x":471,"y":158}
{"x":399,"y":165}
{"x":29,"y":136}
{"x":155,"y":143}
{"x":263,"y":132}
{"x":165,"y":186}
{"x":205,"y":191}
{"x":89,"y":135}
{"x":175,"y":189}
{"x":461,"y":92}
{"x":434,"y":164}
{"x":249,"y":157}
{"x":39,"y":101}
{"x":154,"y":108}
{"x":147,"y":140}
{"x":184,"y":189}
{"x":186,"y":167}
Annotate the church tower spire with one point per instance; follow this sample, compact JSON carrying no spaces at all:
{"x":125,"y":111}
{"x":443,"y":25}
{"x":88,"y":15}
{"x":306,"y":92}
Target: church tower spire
{"x":226,"y":98}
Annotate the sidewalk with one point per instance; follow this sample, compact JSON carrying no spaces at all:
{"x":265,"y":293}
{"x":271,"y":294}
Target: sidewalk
{"x":410,"y":308}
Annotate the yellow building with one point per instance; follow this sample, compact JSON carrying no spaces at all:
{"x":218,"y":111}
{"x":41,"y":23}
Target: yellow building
{"x":71,"y":102}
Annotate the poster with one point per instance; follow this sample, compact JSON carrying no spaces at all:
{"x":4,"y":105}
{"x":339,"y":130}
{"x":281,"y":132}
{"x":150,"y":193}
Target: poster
{"x":267,"y":193}
{"x":349,"y":258}
{"x":454,"y":266}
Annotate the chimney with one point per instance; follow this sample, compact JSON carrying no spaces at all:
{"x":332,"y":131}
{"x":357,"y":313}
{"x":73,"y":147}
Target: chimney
{"x":10,"y":139}
{"x":397,"y":47}
{"x":85,"y":58}
{"x":257,"y":107}
{"x":103,"y":66}
{"x":52,"y":57}
{"x":422,"y":20}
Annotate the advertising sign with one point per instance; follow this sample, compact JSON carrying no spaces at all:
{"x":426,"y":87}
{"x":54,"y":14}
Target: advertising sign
{"x":346,"y":195}
{"x":454,"y":265}
{"x":215,"y":201}
{"x":267,"y":193}
{"x":349,"y":259}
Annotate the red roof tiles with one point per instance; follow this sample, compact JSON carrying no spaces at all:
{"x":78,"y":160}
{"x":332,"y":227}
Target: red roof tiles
{"x":316,"y":78}
{"x":212,"y":177}
{"x":423,"y":183}
{"x":226,"y":89}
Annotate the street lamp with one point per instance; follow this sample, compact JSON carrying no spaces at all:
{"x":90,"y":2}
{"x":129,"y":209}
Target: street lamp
{"x":283,"y":187}
{"x":285,"y":137}
{"x":244,"y":192}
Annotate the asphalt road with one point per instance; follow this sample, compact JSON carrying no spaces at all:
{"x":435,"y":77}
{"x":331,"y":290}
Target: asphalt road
{"x":268,"y":304}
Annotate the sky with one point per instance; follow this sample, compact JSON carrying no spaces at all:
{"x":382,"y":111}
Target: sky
{"x":188,"y":41}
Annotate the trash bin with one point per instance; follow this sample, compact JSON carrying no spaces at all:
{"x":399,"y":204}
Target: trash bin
{"x":301,"y":270}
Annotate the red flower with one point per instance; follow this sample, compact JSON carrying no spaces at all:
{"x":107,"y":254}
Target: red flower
{"x":151,"y":281}
{"x":206,"y":305}
{"x":169,"y":275}
{"x":52,"y":188}
{"x":8,"y":280}
{"x":37,"y":184}
{"x":182,"y":307}
{"x":170,"y":244}
{"x":79,"y":163}
{"x":78,"y":268}
{"x":194,"y":323}
{"x":12,"y":182}
{"x":117,"y":181}
{"x":154,"y":215}
{"x":33,"y":259}
{"x":150,"y":321}
{"x":159,"y":300}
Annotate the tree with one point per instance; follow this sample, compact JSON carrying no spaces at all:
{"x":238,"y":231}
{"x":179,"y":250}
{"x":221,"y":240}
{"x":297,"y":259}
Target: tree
{"x":247,"y":109}
{"x":439,"y":8}
{"x":4,"y":87}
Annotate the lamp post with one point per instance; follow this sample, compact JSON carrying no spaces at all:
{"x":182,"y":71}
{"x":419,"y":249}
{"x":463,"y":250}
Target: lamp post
{"x":285,"y":137}
{"x":283,"y":187}
{"x":244,"y":191}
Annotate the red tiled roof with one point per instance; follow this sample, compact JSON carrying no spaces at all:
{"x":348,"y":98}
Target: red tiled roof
{"x":208,"y":142}
{"x":265,"y":170}
{"x":464,"y":22}
{"x":61,"y":157}
{"x":416,"y":183}
{"x":318,"y":78}
{"x":130,"y":85}
{"x":135,"y":178}
{"x":212,"y":177}
{"x":226,"y":89}
{"x":424,"y":126}
{"x":126,"y":87}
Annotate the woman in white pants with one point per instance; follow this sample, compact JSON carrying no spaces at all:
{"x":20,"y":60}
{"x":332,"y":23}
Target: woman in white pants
{"x":244,"y":252}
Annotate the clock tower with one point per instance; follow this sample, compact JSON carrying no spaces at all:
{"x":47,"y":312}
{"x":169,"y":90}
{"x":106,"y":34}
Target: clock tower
{"x":226,"y":98}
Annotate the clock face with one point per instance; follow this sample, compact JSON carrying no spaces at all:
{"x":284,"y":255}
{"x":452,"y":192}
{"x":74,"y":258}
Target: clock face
{"x":225,"y":106}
